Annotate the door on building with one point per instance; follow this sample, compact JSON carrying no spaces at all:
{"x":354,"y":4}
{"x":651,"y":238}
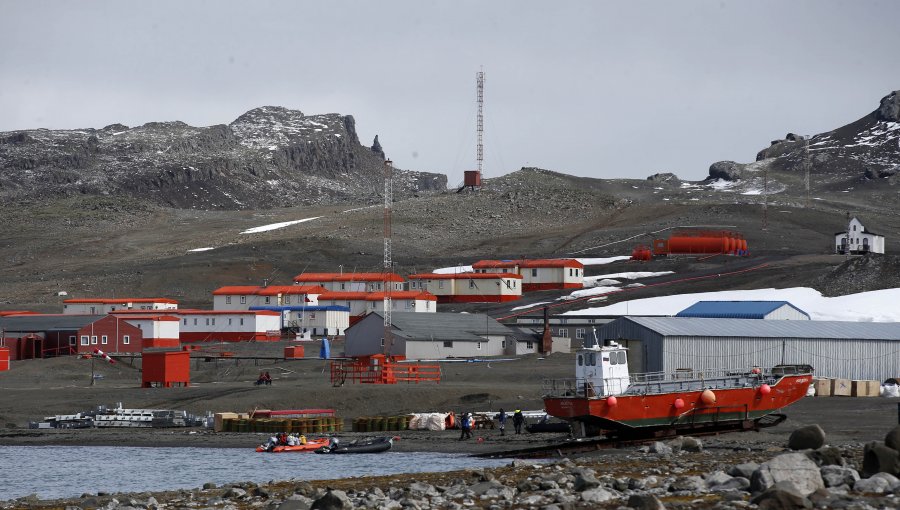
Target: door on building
{"x":865,"y":244}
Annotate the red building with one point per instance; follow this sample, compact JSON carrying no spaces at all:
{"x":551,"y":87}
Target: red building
{"x":165,"y":368}
{"x":44,"y":336}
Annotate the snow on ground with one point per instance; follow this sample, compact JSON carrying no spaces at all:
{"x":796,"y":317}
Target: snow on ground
{"x":593,"y":291}
{"x":601,"y":261}
{"x":532,"y":305}
{"x":590,"y":281}
{"x":203,"y":249}
{"x":722,"y":185}
{"x":453,"y":270}
{"x":873,"y":306}
{"x":276,"y":226}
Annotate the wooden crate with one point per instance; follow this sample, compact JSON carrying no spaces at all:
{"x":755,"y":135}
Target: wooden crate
{"x":218,"y":424}
{"x":822,"y":387}
{"x":874,"y":389}
{"x":840,"y":387}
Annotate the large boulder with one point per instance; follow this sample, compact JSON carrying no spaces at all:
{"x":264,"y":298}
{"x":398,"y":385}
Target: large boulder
{"x":782,"y":496}
{"x":796,"y":468}
{"x":726,"y":170}
{"x":892,"y":439}
{"x":880,"y":458}
{"x":807,"y":438}
{"x":889,"y":109}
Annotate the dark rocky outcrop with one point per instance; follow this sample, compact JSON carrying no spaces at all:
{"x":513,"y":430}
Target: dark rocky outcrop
{"x":727,"y":170}
{"x":889,"y":108}
{"x":807,"y":438}
{"x":268,"y":157}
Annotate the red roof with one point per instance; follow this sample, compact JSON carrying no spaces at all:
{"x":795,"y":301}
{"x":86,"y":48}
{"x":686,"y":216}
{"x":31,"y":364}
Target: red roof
{"x":167,"y":318}
{"x":236,"y":289}
{"x":402,"y":294}
{"x":184,"y":311}
{"x":121,"y":301}
{"x":348,"y":277}
{"x":529,"y":263}
{"x":7,"y":313}
{"x":464,"y":276}
{"x":274,"y":290}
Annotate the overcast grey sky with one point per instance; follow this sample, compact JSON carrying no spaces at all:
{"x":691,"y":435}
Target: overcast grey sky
{"x":593,"y":88}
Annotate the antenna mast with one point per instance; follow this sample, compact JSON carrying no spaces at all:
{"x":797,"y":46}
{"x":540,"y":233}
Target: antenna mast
{"x":388,"y":264}
{"x":479,"y":94}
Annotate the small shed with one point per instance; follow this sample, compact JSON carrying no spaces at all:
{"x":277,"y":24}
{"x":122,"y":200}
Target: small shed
{"x":766,"y":310}
{"x":857,"y":240}
{"x":166,"y":368}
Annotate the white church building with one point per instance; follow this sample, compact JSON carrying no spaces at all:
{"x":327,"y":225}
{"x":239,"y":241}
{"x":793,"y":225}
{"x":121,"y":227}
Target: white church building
{"x":857,"y":240}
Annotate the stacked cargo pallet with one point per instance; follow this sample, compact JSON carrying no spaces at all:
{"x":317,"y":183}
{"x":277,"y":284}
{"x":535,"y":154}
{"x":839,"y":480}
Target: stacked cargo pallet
{"x":825,"y":387}
{"x":320,"y":425}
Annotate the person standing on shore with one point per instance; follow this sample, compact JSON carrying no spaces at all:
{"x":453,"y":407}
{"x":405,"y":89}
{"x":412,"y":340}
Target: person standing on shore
{"x":518,"y":420}
{"x":465,"y":427}
{"x":501,"y":419}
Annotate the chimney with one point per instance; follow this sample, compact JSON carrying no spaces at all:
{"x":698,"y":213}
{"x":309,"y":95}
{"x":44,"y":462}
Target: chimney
{"x":547,"y":338}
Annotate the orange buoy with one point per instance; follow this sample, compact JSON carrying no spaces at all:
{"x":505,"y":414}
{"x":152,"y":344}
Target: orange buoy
{"x":708,"y":397}
{"x":755,"y":370}
{"x":679,"y":403}
{"x":450,"y":421}
{"x":612,"y":401}
{"x":765,"y":389}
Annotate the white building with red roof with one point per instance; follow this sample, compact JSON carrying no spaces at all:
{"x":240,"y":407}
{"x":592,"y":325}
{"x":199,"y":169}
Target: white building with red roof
{"x":244,"y":297}
{"x":219,"y":325}
{"x":352,"y":282}
{"x":157,"y":330}
{"x":98,"y":306}
{"x":361,"y":303}
{"x":538,"y":274}
{"x":469,"y":287}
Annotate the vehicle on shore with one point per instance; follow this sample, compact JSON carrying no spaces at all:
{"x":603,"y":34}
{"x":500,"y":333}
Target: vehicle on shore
{"x":604,"y":399}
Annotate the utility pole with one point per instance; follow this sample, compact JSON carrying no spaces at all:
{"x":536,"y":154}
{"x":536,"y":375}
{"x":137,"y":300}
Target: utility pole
{"x":388,"y":263}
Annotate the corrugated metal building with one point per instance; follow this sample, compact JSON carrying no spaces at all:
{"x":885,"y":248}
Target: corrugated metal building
{"x":766,"y":310}
{"x":850,"y":350}
{"x":430,"y":335}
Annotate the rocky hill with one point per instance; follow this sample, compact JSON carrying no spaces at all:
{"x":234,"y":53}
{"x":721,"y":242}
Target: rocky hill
{"x":268,"y":157}
{"x":864,"y":153}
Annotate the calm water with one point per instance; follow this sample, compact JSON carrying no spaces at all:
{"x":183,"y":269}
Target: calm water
{"x":69,"y":471}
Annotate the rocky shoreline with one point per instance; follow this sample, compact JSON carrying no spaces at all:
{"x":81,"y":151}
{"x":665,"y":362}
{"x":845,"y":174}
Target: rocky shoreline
{"x":680,"y":473}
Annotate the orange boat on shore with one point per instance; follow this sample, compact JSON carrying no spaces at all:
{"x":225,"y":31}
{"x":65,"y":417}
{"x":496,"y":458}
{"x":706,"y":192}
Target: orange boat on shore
{"x":311,"y":445}
{"x":604,"y":399}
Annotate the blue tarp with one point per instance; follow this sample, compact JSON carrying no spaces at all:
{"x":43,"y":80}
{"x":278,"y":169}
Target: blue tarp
{"x":325,"y":350}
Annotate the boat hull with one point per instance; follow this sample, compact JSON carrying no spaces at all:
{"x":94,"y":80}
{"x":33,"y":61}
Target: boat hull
{"x":659,"y":410}
{"x":310,"y":446}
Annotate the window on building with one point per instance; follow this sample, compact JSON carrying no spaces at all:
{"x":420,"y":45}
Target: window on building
{"x":93,"y":339}
{"x":348,"y":304}
{"x":268,"y":300}
{"x":576,"y":271}
{"x":312,"y":316}
{"x":229,"y":322}
{"x":104,"y":340}
{"x":126,"y":339}
{"x":580,"y":360}
{"x":227,"y":300}
{"x":448,"y":345}
{"x":854,"y":228}
{"x":471,"y":284}
{"x":243,"y":300}
{"x":529,"y":345}
{"x":534,"y":272}
{"x":478,"y":346}
{"x":564,"y":332}
{"x":287,"y":300}
{"x":185,"y":321}
{"x":213,"y":321}
{"x":242,"y":321}
{"x":343,"y":286}
{"x":382,"y":342}
{"x":428,"y":305}
{"x":440,"y":284}
{"x":195,"y":321}
{"x":85,"y":340}
{"x":503,"y":344}
{"x":579,"y":333}
{"x":73,"y":340}
{"x":207,"y":321}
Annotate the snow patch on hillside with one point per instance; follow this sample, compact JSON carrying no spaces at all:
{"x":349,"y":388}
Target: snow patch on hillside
{"x":276,"y":226}
{"x":873,"y":306}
